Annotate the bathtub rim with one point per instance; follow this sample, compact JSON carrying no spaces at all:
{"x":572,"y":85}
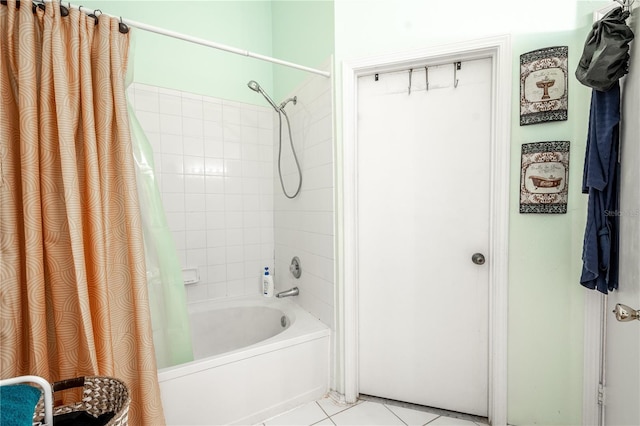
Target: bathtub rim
{"x":303,"y":327}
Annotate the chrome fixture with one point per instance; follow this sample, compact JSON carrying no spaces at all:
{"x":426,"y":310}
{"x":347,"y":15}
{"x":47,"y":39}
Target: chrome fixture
{"x":478,"y":258}
{"x":295,"y":268}
{"x":287,"y":293}
{"x":253,"y":85}
{"x":284,"y":321}
{"x":624,"y":313}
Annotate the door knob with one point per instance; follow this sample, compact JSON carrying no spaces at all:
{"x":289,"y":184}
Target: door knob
{"x":478,"y":258}
{"x":624,"y":313}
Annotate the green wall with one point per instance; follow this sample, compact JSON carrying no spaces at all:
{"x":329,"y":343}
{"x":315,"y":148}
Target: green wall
{"x":302,"y":33}
{"x":545,"y":299}
{"x":171,"y":63}
{"x":295,"y":31}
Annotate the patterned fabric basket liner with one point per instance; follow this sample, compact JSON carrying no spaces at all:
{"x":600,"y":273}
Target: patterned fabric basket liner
{"x":100,"y":395}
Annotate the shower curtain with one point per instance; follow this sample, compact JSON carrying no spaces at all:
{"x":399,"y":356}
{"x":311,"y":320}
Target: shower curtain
{"x":167,"y":299}
{"x":73,"y":299}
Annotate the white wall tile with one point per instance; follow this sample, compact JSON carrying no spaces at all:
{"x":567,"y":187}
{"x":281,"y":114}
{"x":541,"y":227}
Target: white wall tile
{"x":216,"y":238}
{"x":249,"y":117}
{"x":196,"y":221}
{"x":196,"y":257}
{"x":146,"y":100}
{"x":216,"y":256}
{"x":218,"y":273}
{"x":233,"y":168}
{"x":201,"y":147}
{"x":249,"y":135}
{"x":212,"y":111}
{"x":265,"y":119}
{"x":214,"y":166}
{"x":231,"y":132}
{"x":171,"y":144}
{"x":213,"y":147}
{"x":215,"y":219}
{"x":192,"y":108}
{"x":233,"y":220}
{"x":234,"y":237}
{"x":196,"y":240}
{"x":149,"y":121}
{"x":233,"y":185}
{"x":193,"y":127}
{"x":173,"y":182}
{"x":214,"y":203}
{"x":234,"y":254}
{"x":194,"y":165}
{"x":235,"y":271}
{"x":230,"y":114}
{"x":176,"y":220}
{"x":171,"y":124}
{"x":304,"y":225}
{"x":194,"y":184}
{"x":232,"y":150}
{"x":193,"y":146}
{"x":214,"y":184}
{"x":170,"y":104}
{"x":213,"y":130}
{"x":195,"y":203}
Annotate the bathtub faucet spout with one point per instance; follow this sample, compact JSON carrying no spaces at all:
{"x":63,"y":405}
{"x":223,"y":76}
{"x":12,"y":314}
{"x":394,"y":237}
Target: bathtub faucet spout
{"x":291,"y":292}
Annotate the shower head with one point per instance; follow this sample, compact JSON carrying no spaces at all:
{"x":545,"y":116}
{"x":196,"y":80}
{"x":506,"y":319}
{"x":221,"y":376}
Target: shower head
{"x":253,"y":85}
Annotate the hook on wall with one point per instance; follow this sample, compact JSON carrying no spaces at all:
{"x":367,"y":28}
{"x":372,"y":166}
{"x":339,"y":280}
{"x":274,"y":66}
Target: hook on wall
{"x":410,"y":72}
{"x":456,"y":67}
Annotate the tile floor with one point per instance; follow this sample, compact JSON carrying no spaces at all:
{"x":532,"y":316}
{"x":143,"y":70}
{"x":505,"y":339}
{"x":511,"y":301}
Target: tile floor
{"x":370,"y":413}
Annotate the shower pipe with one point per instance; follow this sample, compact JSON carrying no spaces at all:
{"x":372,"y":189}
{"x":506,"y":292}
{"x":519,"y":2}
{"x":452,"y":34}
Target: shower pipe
{"x":253,"y":85}
{"x":201,"y":41}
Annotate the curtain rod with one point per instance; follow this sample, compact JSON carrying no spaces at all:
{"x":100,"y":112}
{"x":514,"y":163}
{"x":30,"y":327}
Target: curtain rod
{"x":201,"y":41}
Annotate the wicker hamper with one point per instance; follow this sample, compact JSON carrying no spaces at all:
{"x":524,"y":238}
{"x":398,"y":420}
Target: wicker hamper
{"x":105,"y":399}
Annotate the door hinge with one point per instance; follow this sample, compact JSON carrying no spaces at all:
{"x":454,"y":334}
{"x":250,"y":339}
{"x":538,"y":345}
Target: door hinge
{"x":601,"y":394}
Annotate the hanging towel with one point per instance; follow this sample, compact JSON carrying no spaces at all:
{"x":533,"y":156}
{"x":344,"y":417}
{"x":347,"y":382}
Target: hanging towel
{"x":601,"y":180}
{"x":17,"y":404}
{"x":605,"y":58}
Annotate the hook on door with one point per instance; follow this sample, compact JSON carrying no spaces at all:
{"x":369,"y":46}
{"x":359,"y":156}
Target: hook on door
{"x":426,"y":76}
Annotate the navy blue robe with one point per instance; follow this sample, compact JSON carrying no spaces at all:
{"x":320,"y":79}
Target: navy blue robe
{"x":601,"y":181}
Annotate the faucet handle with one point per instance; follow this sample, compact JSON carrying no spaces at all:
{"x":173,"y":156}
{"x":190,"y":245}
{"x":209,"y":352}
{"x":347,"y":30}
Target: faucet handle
{"x":295,"y":268}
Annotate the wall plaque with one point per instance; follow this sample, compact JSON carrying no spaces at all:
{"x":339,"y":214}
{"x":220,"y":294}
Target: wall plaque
{"x":544,"y":177}
{"x":543,"y":85}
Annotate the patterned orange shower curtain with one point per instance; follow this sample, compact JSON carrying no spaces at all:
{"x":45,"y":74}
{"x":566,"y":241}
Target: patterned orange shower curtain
{"x":73,"y":295}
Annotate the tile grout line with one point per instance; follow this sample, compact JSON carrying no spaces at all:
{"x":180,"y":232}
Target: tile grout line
{"x":325,"y":413}
{"x":392,"y":412}
{"x":432,"y":420}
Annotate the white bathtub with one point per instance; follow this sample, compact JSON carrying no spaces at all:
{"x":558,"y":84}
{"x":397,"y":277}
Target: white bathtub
{"x":248,"y":366}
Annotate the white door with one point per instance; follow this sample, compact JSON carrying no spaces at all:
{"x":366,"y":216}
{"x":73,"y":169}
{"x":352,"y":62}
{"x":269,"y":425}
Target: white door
{"x":423,"y":211}
{"x":622,"y":369}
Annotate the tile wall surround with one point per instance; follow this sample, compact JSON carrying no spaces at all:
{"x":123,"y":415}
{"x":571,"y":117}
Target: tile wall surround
{"x":304,"y":225}
{"x":214,"y":165}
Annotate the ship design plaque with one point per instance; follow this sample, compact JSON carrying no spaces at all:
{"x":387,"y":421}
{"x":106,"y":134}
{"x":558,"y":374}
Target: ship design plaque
{"x":544,"y":177}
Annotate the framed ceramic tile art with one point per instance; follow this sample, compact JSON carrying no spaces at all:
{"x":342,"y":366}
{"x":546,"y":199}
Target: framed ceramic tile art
{"x":544,"y":177}
{"x":543,"y":85}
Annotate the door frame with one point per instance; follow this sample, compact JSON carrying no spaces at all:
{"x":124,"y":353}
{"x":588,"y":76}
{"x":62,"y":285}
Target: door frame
{"x":498,"y":49}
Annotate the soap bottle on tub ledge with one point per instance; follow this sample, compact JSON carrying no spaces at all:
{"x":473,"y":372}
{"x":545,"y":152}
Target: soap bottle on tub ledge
{"x":267,"y":283}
